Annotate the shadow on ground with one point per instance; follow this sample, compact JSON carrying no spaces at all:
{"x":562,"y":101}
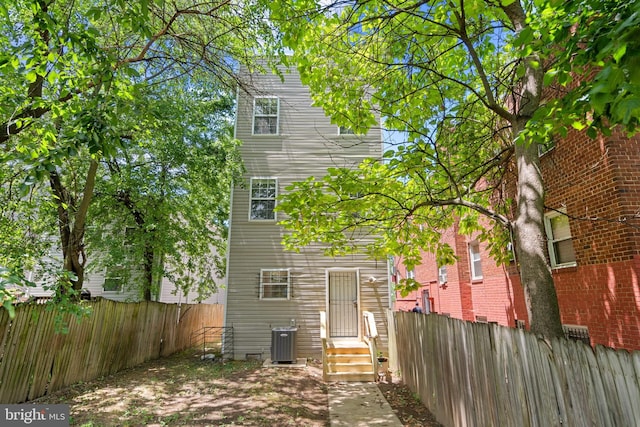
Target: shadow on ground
{"x":183,"y":390}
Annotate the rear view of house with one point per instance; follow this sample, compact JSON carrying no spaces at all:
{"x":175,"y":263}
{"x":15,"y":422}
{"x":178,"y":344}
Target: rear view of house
{"x":272,"y":292}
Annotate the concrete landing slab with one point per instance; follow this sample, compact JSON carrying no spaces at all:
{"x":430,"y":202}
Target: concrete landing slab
{"x":359,"y":404}
{"x":299,"y":363}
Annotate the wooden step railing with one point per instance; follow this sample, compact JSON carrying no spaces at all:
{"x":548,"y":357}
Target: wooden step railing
{"x":371,"y":337}
{"x":323,"y":338}
{"x":346,"y":360}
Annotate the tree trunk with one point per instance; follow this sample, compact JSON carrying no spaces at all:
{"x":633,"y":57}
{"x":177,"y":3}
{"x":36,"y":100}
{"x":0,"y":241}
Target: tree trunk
{"x":531,"y":244}
{"x":529,"y":232}
{"x":71,"y":223}
{"x":148,"y":271}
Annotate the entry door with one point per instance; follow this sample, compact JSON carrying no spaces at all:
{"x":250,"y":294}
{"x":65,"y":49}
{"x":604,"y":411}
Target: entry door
{"x":426,"y":302}
{"x":343,"y":304}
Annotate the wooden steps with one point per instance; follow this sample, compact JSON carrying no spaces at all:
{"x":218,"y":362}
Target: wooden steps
{"x":348,"y":361}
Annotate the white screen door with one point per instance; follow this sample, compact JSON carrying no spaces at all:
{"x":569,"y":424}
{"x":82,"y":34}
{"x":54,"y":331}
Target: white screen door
{"x":343,"y":304}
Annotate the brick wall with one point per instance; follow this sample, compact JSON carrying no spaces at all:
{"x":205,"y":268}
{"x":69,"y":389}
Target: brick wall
{"x":605,"y":298}
{"x":498,"y":296}
{"x":598,"y":183}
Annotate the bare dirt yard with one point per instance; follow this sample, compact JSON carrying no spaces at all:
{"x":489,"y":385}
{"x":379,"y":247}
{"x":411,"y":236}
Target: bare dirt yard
{"x":183,"y":390}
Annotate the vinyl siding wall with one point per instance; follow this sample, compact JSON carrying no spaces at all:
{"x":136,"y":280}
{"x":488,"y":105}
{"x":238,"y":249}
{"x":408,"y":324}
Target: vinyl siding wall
{"x":307,"y":144}
{"x":94,"y":282}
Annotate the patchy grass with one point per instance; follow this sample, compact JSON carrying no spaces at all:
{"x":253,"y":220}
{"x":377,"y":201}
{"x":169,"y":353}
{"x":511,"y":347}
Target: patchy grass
{"x":183,"y":390}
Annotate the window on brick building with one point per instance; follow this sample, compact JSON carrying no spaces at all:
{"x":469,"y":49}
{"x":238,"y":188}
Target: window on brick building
{"x":411,"y":274}
{"x":475,"y":261}
{"x":559,"y":239}
{"x":442,"y":274}
{"x":546,"y":147}
{"x":577,"y":333}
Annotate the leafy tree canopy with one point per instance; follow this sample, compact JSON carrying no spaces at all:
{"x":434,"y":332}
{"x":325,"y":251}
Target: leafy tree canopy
{"x":477,"y":87}
{"x":72,"y":75}
{"x":162,"y":202}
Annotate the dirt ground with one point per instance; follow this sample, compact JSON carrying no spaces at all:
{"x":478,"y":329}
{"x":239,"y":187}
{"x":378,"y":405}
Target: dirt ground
{"x":183,"y":390}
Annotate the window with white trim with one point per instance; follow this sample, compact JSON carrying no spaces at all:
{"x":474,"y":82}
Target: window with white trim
{"x":266,"y":115}
{"x":263,"y":199}
{"x":411,"y":274}
{"x":546,"y":147}
{"x":275,"y":284}
{"x":559,"y":239}
{"x":511,"y":251}
{"x":113,"y":279}
{"x":442,"y":274}
{"x":343,"y":130}
{"x":475,"y":261}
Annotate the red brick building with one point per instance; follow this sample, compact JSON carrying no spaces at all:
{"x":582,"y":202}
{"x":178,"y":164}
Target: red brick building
{"x":593,"y":227}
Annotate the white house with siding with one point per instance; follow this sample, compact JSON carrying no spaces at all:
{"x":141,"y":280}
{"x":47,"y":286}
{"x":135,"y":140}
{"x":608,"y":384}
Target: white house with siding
{"x":112,"y":287}
{"x":285,"y":139}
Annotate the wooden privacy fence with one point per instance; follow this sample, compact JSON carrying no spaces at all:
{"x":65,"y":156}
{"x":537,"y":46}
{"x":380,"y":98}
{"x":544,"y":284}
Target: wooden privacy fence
{"x":34,"y":360}
{"x":475,"y":374}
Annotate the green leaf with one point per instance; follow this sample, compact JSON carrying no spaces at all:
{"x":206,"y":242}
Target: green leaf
{"x":627,"y":109}
{"x":578,"y":125}
{"x":8,"y":305}
{"x":620,"y":51}
{"x":31,"y":76}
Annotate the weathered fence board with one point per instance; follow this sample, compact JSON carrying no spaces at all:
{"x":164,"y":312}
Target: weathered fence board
{"x":34,"y":360}
{"x":471,"y":374}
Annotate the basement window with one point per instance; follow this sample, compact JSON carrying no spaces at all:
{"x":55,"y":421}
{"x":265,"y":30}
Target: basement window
{"x":577,"y":333}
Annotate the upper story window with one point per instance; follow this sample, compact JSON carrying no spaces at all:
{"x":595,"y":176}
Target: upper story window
{"x":546,"y":147}
{"x":343,"y":130}
{"x":559,"y":239}
{"x":411,"y":273}
{"x":475,"y":261}
{"x":275,"y":284}
{"x":263,"y":198}
{"x":265,"y":115}
{"x":511,"y":251}
{"x":442,"y":274}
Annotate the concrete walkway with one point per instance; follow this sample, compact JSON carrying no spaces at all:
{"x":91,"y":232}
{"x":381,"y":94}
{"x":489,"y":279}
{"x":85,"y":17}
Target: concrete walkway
{"x":359,"y":405}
